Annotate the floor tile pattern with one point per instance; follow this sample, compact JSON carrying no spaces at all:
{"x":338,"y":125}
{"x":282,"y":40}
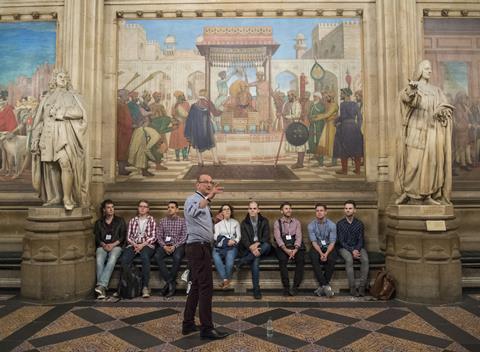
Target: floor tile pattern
{"x":302,"y":323}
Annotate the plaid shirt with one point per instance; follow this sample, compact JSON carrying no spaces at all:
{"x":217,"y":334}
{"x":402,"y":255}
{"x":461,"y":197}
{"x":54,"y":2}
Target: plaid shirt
{"x":135,"y":237}
{"x":174,"y":227}
{"x":289,"y":227}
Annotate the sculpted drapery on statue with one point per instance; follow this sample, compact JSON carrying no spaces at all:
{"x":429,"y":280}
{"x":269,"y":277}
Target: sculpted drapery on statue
{"x":59,"y":144}
{"x":424,"y":163}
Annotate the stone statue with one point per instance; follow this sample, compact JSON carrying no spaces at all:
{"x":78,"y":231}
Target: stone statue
{"x":424,"y":163}
{"x":59,"y":144}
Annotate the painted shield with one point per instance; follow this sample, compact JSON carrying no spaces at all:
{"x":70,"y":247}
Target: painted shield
{"x":297,"y":134}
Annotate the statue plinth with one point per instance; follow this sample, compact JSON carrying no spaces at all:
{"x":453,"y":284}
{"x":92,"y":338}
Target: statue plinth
{"x":423,"y":253}
{"x":58,"y":262}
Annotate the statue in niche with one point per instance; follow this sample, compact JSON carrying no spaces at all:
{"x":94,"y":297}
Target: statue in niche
{"x":59,"y":143}
{"x":424,"y":164}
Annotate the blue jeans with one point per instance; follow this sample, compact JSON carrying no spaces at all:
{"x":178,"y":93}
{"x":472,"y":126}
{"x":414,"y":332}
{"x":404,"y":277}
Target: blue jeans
{"x":104,"y":271}
{"x":225,"y":269}
{"x":255,"y":263}
{"x":145,"y":255}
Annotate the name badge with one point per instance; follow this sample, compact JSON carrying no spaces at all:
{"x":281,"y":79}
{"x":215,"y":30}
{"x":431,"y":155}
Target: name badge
{"x":288,"y":237}
{"x":168,"y":239}
{"x":323,"y":242}
{"x":108,"y":237}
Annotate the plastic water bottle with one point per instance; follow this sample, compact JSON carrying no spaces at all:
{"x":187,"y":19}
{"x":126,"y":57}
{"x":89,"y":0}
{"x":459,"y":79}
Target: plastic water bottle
{"x":269,"y":328}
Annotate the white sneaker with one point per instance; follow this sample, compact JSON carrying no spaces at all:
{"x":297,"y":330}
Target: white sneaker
{"x":319,"y":291}
{"x":185,"y":274}
{"x":328,"y":291}
{"x":189,"y":286}
{"x":145,"y":292}
{"x":101,"y":292}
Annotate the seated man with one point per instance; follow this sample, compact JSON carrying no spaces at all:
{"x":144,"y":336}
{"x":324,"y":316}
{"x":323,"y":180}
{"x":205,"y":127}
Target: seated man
{"x":350,"y":238}
{"x":254,"y":244}
{"x":287,"y":232}
{"x":171,"y":238}
{"x":141,"y":238}
{"x":323,"y":234}
{"x":110,"y":232}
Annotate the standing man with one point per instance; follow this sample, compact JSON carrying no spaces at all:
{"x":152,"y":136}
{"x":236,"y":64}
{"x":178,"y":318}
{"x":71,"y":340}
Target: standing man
{"x":292,"y":112}
{"x":199,"y":127}
{"x":317,"y":123}
{"x":141,"y":241}
{"x":178,"y":142}
{"x":254,"y":243}
{"x":199,"y":255}
{"x":171,"y":238}
{"x":287,"y":232}
{"x":323,"y":234}
{"x":124,"y":131}
{"x":110,"y":232}
{"x":262,"y":100}
{"x":350,"y":232}
{"x":348,"y":142}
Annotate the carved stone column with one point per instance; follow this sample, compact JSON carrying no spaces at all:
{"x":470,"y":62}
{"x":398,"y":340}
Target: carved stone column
{"x":58,"y":263}
{"x":423,"y":253}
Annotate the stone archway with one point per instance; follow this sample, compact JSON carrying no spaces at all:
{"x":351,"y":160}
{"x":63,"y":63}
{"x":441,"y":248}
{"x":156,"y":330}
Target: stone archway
{"x":195,"y":82}
{"x":287,"y":80}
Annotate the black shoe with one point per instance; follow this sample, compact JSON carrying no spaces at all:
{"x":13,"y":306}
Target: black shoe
{"x":286,"y":291}
{"x":294,"y":291}
{"x":257,"y":294}
{"x":189,"y":329}
{"x":213,"y":335}
{"x":164,"y":290}
{"x":291,"y":292}
{"x":171,"y":289}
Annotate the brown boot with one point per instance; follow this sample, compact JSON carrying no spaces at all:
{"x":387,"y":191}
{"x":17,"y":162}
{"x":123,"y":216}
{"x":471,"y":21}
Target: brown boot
{"x":344,"y":167}
{"x":147,"y":173}
{"x":358,"y":163}
{"x":121,"y":168}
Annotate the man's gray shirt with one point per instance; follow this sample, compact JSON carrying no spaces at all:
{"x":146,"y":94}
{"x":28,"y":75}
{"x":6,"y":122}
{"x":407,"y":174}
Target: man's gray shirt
{"x":198,"y":220}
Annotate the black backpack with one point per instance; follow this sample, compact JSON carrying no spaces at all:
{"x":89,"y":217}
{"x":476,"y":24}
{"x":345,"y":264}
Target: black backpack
{"x":130,"y":285}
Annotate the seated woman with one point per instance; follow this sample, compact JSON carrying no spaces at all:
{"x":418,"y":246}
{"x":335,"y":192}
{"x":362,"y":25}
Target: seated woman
{"x":227,"y":236}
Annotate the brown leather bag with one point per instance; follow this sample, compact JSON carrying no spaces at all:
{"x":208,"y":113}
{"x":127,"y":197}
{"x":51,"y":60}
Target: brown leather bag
{"x":384,"y":286}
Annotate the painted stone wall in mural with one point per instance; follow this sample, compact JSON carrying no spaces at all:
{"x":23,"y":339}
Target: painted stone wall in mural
{"x":453,"y":47}
{"x":240,"y":99}
{"x":27,"y":57}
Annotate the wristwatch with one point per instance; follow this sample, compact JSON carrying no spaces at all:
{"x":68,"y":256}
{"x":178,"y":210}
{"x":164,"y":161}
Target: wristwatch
{"x":208,"y":200}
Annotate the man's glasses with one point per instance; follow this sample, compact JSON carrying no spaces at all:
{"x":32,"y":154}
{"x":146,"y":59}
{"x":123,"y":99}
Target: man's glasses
{"x":210,"y":182}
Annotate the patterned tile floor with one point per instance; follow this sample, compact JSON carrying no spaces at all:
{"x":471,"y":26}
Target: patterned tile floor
{"x":301,"y":323}
{"x":311,"y":172}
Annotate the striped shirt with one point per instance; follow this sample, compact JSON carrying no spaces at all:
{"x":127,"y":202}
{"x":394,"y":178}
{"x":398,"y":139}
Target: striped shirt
{"x":172,"y":229}
{"x":136,"y":236}
{"x":350,"y":235}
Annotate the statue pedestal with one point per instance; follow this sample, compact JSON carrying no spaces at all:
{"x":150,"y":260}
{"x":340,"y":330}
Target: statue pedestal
{"x":423,"y":253}
{"x":58,"y":262}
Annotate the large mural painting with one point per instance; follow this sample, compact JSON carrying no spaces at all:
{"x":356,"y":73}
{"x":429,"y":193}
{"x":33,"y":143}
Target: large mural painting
{"x":241,"y":99}
{"x":453,"y":47}
{"x":27,"y":58}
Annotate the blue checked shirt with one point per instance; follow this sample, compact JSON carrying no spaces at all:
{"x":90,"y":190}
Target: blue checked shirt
{"x":326,"y":231}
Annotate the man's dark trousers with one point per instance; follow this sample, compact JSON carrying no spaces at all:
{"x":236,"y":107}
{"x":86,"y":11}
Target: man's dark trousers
{"x":199,"y":256}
